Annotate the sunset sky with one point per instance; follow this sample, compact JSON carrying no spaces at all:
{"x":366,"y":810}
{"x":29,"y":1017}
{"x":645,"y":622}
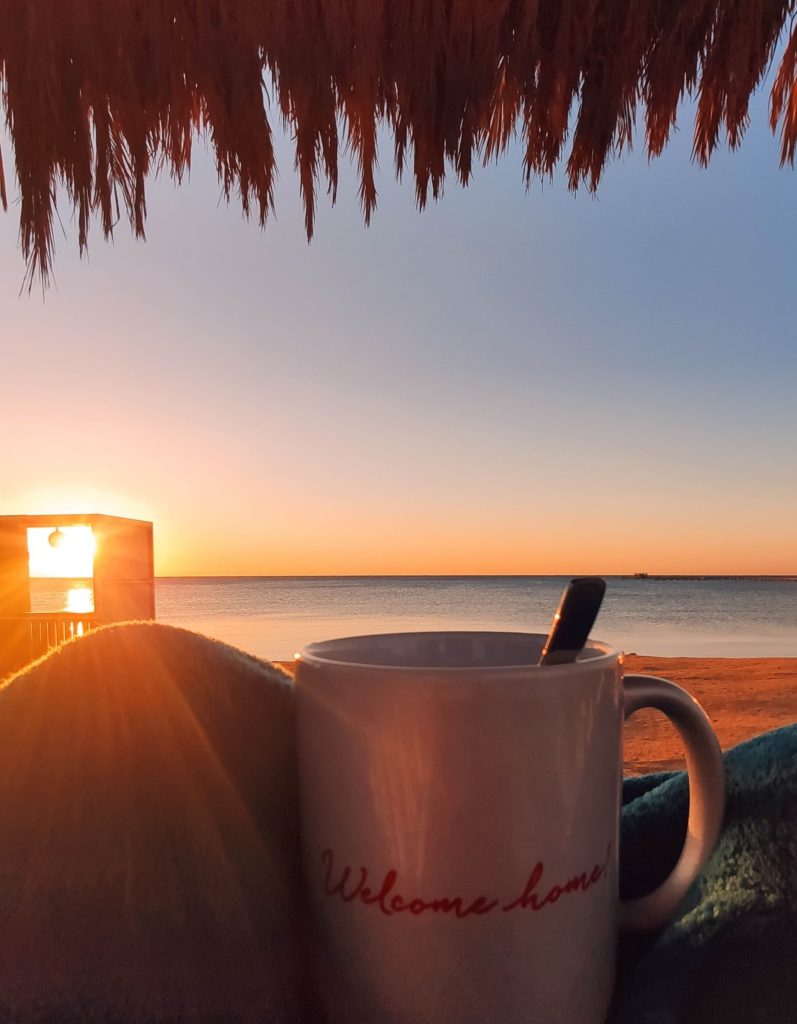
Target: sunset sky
{"x":506,"y":383}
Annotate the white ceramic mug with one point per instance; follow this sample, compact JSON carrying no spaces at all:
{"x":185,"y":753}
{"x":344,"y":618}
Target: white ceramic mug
{"x":460,"y":815}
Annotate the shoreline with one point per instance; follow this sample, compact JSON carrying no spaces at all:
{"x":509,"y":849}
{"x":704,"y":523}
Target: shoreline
{"x":742,"y":697}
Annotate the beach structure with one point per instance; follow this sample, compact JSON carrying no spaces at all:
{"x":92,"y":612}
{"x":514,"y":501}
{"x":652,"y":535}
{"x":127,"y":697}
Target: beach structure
{"x":114,"y":558}
{"x":450,"y":84}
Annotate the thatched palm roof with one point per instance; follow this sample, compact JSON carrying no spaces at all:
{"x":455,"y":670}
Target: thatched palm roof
{"x":98,"y":94}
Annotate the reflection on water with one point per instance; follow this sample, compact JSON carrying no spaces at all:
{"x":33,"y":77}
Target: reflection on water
{"x":80,"y":600}
{"x":74,"y":596}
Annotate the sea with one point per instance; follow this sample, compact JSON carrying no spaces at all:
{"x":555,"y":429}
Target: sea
{"x":274,"y":617}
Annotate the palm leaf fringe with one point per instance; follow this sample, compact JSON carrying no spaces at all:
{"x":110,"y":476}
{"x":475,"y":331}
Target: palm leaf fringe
{"x":98,"y":96}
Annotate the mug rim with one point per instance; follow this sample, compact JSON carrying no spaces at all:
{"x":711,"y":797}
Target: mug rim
{"x":315,"y":653}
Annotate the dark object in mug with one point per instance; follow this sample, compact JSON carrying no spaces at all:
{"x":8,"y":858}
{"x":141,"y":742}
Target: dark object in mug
{"x":573,"y":620}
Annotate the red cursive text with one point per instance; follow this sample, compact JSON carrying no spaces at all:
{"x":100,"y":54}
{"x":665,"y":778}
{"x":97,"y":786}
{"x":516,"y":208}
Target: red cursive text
{"x":353,"y":886}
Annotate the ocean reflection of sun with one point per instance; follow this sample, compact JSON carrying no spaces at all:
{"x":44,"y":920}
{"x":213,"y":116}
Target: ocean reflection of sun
{"x":79,"y":600}
{"x":67,"y":552}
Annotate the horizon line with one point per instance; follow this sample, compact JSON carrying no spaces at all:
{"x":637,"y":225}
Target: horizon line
{"x":480,"y":575}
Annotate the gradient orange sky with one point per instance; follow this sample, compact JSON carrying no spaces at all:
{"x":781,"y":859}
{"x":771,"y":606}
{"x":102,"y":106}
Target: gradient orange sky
{"x":507,"y":383}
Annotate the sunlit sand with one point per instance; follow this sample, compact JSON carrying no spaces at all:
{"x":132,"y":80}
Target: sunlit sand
{"x":742,"y":696}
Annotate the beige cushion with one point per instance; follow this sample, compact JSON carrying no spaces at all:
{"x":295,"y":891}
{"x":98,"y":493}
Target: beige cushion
{"x":148,"y":834}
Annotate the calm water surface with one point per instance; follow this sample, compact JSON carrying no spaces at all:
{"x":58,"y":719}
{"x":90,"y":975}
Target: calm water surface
{"x":276,"y":616}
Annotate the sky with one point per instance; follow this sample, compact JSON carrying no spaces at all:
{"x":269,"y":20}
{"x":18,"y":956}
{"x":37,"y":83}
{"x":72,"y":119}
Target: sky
{"x":508,"y":382}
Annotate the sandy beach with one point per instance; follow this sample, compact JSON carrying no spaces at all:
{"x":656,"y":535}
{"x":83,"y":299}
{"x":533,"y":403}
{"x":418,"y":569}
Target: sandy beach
{"x":742,"y":697}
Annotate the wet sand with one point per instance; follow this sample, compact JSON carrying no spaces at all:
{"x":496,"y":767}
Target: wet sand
{"x":742,"y":697}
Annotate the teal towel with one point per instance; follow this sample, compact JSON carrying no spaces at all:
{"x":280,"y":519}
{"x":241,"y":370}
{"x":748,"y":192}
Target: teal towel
{"x":730,"y":954}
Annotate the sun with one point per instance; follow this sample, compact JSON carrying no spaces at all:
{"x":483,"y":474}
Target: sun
{"x":65,"y":552}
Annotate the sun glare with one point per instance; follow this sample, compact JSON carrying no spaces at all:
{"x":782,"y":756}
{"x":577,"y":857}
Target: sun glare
{"x":79,"y":600}
{"x":64,"y":553}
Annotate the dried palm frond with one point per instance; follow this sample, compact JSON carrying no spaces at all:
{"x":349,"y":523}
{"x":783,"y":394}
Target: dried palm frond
{"x":98,"y":96}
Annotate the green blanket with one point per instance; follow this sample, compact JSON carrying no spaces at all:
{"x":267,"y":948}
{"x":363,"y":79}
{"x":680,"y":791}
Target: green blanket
{"x":730,"y":954}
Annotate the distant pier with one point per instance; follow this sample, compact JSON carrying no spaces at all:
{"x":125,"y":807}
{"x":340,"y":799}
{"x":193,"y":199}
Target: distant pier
{"x":707,"y":579}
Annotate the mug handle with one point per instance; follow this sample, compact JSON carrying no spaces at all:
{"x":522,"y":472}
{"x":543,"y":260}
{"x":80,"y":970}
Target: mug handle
{"x":706,"y":795}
